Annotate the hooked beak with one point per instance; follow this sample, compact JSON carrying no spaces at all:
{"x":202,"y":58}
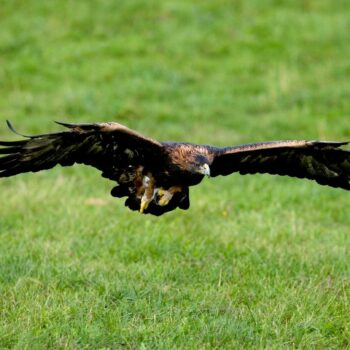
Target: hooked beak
{"x":205,"y":170}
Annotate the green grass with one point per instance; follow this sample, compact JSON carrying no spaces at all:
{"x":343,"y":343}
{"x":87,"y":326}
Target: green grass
{"x":258,"y":261}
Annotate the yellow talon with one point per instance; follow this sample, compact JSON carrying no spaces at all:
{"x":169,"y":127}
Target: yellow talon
{"x":161,"y":192}
{"x":165,"y":198}
{"x":148,"y":192}
{"x":144,"y":205}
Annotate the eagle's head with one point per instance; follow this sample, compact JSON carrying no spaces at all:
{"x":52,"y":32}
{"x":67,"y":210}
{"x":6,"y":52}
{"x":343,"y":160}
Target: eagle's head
{"x":204,"y":169}
{"x":201,"y":165}
{"x":191,"y":158}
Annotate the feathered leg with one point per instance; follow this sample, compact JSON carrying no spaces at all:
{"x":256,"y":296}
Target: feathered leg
{"x":149,"y":192}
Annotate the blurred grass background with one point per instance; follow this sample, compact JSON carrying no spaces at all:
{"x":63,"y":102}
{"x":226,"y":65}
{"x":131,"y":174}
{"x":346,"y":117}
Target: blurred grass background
{"x":257,"y":261}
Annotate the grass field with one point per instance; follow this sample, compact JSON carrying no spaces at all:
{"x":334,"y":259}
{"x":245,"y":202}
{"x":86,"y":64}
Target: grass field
{"x":258,"y":261}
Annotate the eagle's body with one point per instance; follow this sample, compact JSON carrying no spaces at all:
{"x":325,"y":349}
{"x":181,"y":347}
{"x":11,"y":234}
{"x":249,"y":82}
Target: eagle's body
{"x":156,"y":176}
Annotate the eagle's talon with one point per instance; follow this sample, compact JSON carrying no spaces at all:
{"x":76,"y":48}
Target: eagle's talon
{"x":161,"y":191}
{"x":165,"y":198}
{"x":148,"y":192}
{"x":144,"y":204}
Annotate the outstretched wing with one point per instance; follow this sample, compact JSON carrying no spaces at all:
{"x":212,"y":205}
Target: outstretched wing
{"x":324,"y":162}
{"x":106,"y":146}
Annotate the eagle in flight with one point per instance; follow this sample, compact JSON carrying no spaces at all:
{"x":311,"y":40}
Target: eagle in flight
{"x":155,"y":176}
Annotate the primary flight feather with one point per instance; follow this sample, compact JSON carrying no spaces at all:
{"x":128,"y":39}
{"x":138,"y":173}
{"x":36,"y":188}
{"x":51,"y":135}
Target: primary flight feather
{"x":156,"y":176}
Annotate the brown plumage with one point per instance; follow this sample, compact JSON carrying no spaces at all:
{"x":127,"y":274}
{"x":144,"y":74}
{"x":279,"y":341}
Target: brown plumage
{"x":156,"y":176}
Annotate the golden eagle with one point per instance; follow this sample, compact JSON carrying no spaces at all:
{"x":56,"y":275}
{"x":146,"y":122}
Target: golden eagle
{"x":156,"y":176}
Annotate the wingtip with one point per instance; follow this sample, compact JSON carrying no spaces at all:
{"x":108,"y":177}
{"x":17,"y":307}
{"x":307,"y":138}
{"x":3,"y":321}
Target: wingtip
{"x":80,"y":127}
{"x":67,"y":125}
{"x":10,"y":126}
{"x":334,"y":144}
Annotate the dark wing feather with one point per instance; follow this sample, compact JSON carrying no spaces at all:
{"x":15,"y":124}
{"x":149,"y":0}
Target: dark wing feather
{"x":324,"y":162}
{"x":105,"y":146}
